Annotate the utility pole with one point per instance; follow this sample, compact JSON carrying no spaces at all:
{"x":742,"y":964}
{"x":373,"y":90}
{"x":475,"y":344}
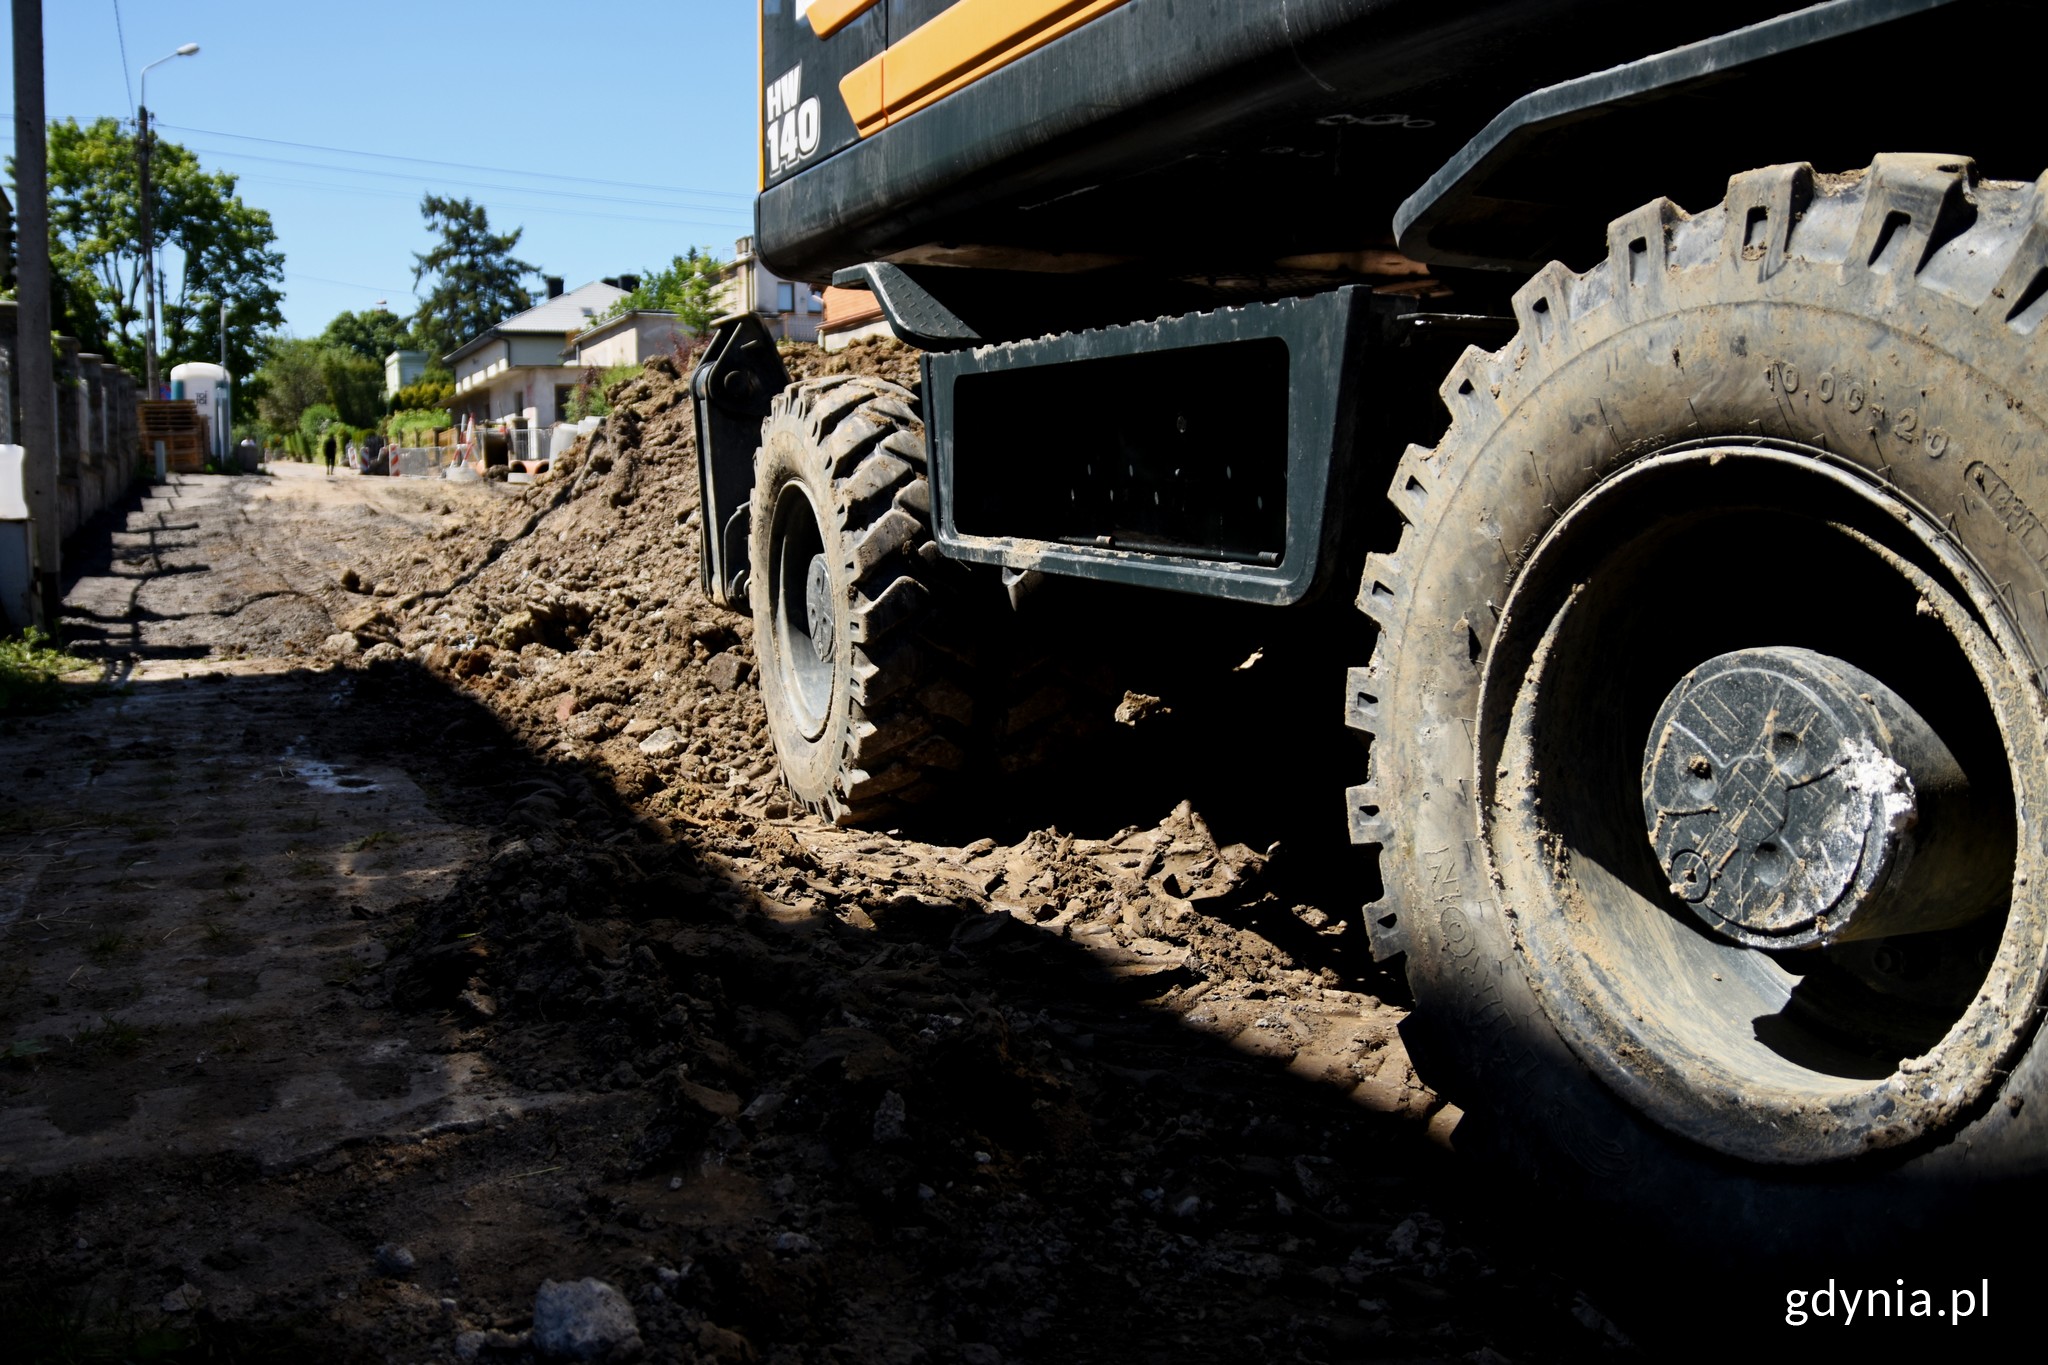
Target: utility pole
{"x":149,"y":281}
{"x":32,"y":294}
{"x":148,"y":256}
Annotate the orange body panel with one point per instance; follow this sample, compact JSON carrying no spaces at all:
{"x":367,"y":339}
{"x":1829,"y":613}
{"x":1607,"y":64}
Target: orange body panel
{"x":955,"y":49}
{"x":829,"y":16}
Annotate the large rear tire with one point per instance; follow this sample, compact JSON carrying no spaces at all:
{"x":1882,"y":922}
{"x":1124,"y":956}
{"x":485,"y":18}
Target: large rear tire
{"x":1788,"y":442}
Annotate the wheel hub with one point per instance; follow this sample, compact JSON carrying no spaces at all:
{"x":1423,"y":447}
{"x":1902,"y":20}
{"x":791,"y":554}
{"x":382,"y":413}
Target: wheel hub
{"x":1783,"y":789}
{"x":818,"y":607}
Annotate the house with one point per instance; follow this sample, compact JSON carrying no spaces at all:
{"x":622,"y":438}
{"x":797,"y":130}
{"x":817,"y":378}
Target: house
{"x":789,"y":310}
{"x":630,"y":338}
{"x":515,"y":369}
{"x":401,"y":368}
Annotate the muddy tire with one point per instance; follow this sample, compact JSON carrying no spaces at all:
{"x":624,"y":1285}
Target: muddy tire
{"x":1788,"y":441}
{"x":852,"y":604}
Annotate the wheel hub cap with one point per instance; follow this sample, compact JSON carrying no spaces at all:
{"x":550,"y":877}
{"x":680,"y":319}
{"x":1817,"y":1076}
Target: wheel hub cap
{"x":818,"y":607}
{"x":1781,"y":787}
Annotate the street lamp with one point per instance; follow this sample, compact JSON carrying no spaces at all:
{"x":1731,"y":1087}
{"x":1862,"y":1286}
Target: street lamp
{"x":148,"y":227}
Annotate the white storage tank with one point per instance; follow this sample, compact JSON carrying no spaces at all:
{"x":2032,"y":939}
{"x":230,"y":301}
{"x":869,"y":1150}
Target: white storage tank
{"x":207,"y":386}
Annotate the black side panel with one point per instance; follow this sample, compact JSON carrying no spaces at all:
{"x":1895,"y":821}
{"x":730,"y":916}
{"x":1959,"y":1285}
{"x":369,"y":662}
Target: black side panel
{"x":1200,"y":454}
{"x":731,"y":389}
{"x":1146,"y":457}
{"x":803,"y":118}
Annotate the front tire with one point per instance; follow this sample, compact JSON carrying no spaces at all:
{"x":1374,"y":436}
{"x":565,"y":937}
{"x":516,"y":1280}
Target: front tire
{"x":864,"y":704}
{"x":1785,"y":439}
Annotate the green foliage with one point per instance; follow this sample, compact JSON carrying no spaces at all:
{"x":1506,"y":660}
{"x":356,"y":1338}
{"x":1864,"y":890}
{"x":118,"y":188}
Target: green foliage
{"x":372,"y":334}
{"x":210,"y":245}
{"x":476,"y":279}
{"x":316,"y":423}
{"x":417,"y":419}
{"x":292,"y":382}
{"x":110,"y":1037}
{"x":299,"y":375}
{"x":29,"y":672}
{"x":590,"y":398}
{"x":355,"y":386}
{"x":425,"y":392}
{"x":688,"y":288}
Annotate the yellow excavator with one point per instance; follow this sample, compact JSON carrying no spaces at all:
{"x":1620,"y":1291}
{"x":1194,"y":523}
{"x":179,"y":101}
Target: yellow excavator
{"x":1664,"y":385}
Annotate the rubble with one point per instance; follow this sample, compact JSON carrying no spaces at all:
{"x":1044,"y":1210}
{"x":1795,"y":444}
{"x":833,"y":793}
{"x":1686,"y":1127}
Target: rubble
{"x":1103,"y":1075}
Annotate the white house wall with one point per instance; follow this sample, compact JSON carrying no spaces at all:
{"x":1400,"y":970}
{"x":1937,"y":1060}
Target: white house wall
{"x":545,"y":349}
{"x":646,"y":338}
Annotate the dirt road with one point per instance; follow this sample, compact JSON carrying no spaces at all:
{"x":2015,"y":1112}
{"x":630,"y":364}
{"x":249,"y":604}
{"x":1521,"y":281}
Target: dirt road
{"x":414,"y":918}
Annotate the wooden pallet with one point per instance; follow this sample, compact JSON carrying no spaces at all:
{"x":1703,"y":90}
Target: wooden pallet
{"x":180,"y":426}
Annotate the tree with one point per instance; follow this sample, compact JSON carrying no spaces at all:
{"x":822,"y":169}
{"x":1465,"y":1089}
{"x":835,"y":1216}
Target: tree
{"x":354,"y":385}
{"x":292,"y":382}
{"x":433,"y":389}
{"x":210,"y":246}
{"x":299,"y":375}
{"x":314,"y":423}
{"x":372,"y":334}
{"x":476,"y":277}
{"x":688,"y":288}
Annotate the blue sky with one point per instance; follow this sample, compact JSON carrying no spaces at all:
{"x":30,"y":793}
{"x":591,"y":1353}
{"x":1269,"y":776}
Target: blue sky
{"x":535,"y":104}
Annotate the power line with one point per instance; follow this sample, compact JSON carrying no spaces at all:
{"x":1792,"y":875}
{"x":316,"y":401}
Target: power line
{"x":415,"y":178}
{"x":127,"y":81}
{"x":502,"y":209}
{"x":348,"y":284}
{"x":463,"y":165}
{"x":737,"y":211}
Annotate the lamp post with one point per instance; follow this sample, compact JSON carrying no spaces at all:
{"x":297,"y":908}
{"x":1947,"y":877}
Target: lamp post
{"x":148,"y":227}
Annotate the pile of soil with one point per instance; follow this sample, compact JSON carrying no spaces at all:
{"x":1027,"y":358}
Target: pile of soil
{"x":1005,"y":1091}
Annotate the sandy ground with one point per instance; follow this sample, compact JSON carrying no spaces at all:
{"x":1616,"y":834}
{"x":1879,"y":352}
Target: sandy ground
{"x":412,"y":917}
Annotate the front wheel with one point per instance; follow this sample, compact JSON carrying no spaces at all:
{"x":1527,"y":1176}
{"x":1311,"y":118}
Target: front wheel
{"x":863,"y":689}
{"x":1705,"y":716}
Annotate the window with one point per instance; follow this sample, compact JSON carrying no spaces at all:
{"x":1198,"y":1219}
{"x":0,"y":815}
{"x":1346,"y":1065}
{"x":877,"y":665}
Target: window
{"x":562,"y":392}
{"x":785,"y":298}
{"x":814,"y":302}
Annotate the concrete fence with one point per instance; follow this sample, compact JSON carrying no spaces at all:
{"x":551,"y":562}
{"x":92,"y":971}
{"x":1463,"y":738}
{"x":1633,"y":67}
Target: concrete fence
{"x":98,"y":449}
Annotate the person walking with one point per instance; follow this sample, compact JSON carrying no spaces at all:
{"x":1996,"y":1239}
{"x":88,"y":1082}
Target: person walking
{"x":327,"y":449}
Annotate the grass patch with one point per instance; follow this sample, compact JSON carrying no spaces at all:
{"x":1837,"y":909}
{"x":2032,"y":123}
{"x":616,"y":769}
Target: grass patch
{"x":347,"y":972}
{"x":106,"y":947}
{"x":301,"y":824}
{"x":220,"y":939}
{"x":60,"y":1325}
{"x":234,"y":874}
{"x":367,"y":841}
{"x":31,"y":673}
{"x":21,"y":819}
{"x":109,"y":1038}
{"x":226,"y":1036}
{"x":305,"y":869}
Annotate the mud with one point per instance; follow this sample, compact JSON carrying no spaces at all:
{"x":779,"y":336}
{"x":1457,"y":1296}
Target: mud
{"x":422,"y":879}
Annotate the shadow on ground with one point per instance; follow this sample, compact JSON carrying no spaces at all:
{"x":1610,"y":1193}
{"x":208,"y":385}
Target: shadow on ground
{"x":794,"y":1112}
